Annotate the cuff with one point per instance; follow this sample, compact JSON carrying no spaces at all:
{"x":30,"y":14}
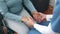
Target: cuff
{"x":40,"y":28}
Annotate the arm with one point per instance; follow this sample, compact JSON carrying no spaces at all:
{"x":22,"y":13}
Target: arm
{"x":44,"y":29}
{"x":40,"y":28}
{"x":30,"y":22}
{"x":34,"y":12}
{"x":6,"y":14}
{"x":29,"y":5}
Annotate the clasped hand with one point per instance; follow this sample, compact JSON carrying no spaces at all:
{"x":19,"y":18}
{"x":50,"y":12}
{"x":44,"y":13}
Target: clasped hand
{"x":37,"y":16}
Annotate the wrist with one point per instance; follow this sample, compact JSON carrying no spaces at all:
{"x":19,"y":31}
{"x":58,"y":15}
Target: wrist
{"x":34,"y":12}
{"x":31,"y":24}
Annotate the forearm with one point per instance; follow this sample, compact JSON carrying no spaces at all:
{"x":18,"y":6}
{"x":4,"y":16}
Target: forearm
{"x":40,"y":28}
{"x":29,"y":5}
{"x":4,"y":11}
{"x":44,"y":29}
{"x":12,"y":16}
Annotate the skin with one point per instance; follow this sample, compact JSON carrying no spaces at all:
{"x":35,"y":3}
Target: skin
{"x":39,"y":16}
{"x":30,"y":21}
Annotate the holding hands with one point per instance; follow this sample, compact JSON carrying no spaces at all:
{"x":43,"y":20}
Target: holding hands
{"x":37,"y":16}
{"x":28,"y":20}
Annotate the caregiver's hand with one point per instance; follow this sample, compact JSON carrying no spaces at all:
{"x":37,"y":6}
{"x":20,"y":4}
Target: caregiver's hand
{"x":28,"y":20}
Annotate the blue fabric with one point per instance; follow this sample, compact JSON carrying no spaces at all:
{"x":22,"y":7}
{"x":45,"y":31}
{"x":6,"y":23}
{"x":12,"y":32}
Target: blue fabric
{"x":34,"y":31}
{"x":12,"y":8}
{"x":56,"y":18}
{"x":44,"y":23}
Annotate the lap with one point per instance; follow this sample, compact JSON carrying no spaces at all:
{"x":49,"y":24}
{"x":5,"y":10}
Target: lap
{"x":19,"y":27}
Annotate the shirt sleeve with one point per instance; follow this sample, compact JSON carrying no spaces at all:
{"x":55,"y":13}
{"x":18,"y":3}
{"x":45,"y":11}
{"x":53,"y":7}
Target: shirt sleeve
{"x":40,"y":28}
{"x":6,"y":14}
{"x":44,"y":29}
{"x":29,"y":5}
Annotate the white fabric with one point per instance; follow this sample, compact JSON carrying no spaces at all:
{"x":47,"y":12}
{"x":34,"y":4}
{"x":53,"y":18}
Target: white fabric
{"x":44,"y":29}
{"x":49,"y":17}
{"x":19,"y":27}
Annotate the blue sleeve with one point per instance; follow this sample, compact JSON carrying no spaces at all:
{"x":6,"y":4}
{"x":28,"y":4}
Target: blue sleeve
{"x":6,"y":14}
{"x":55,"y":22}
{"x":29,"y":5}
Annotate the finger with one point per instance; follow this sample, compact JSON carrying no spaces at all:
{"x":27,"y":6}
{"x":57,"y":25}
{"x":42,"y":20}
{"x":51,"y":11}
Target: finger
{"x":35,"y":17}
{"x":43,"y":17}
{"x":39,"y":20}
{"x":30,"y":19}
{"x":24,"y":19}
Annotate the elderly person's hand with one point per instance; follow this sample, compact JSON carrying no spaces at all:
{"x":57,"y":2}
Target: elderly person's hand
{"x":28,"y":20}
{"x":39,"y":16}
{"x":43,"y":16}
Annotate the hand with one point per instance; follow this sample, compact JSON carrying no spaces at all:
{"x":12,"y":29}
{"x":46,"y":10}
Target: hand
{"x":35,"y":16}
{"x":43,"y":16}
{"x":39,"y":16}
{"x":28,"y":20}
